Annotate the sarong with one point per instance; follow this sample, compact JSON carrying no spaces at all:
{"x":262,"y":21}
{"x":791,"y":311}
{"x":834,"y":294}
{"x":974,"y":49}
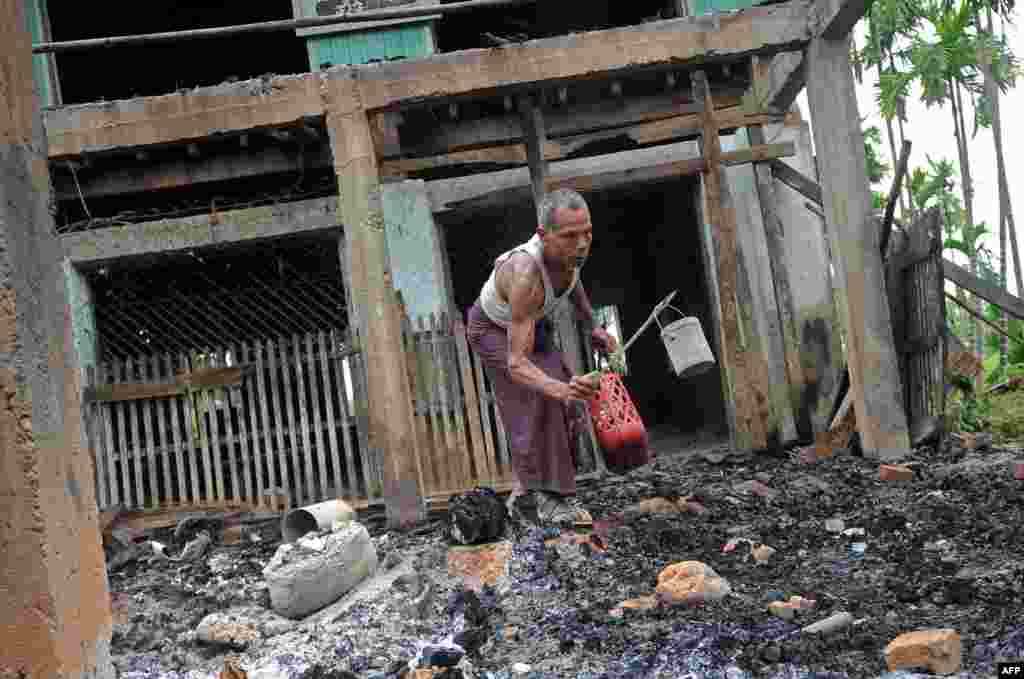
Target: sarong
{"x":537,"y":426}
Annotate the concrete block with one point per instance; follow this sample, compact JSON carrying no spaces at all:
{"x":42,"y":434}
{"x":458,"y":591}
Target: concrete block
{"x":312,"y":574}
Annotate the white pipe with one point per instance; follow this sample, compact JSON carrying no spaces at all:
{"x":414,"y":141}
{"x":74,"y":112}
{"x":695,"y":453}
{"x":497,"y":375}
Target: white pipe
{"x":322,"y":516}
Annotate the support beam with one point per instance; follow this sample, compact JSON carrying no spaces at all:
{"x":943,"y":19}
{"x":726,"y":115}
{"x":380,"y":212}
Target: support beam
{"x":797,"y":181}
{"x":748,"y":393}
{"x":165,"y":236}
{"x":536,"y":140}
{"x":390,"y":396}
{"x":596,"y":173}
{"x":835,"y":19}
{"x":992,"y":294}
{"x":776,"y":82}
{"x":673,"y":43}
{"x":871,"y":355}
{"x":673,"y":129}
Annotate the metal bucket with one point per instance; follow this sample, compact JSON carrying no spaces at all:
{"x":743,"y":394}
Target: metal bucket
{"x":688,"y":349}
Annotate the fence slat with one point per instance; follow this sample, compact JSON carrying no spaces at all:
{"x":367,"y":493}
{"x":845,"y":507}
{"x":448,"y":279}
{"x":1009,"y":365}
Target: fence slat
{"x":145,"y":406}
{"x":123,"y":444}
{"x":108,"y":436}
{"x":249,"y":434}
{"x":193,"y":442}
{"x":502,"y":436}
{"x":347,"y":421}
{"x":332,"y":433}
{"x":437,"y":458}
{"x":138,"y":456}
{"x":213,"y":411}
{"x":282,"y":452}
{"x":485,"y":415}
{"x":94,"y":437}
{"x":452,"y":464}
{"x":451,"y":362}
{"x":232,"y":442}
{"x":313,"y":394}
{"x":420,"y":410}
{"x":484,"y":470}
{"x":173,"y":408}
{"x":300,"y":396}
{"x":164,"y":448}
{"x":292,"y":429}
{"x":265,"y":428}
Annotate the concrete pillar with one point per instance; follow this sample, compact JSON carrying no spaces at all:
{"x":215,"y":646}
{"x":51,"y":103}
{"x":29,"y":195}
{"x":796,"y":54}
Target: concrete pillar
{"x":55,"y":620}
{"x":415,"y":249}
{"x":83,"y":317}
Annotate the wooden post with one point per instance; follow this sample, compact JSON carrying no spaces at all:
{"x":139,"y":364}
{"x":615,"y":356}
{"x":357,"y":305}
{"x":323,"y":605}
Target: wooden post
{"x":361,"y":211}
{"x":721,"y":214}
{"x":536,"y":139}
{"x":870,"y":351}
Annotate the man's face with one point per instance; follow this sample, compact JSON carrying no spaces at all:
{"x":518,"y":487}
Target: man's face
{"x":570,"y":242}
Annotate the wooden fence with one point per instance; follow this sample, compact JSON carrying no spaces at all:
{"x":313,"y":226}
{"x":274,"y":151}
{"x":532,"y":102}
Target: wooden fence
{"x":281,"y":429}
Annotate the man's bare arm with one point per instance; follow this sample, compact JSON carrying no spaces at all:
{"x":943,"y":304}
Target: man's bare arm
{"x":524,"y":289}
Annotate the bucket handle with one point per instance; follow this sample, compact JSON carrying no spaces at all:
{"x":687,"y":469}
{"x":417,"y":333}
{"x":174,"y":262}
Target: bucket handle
{"x":667,"y":306}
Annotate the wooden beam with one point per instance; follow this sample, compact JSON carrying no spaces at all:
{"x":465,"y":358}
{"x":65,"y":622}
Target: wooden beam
{"x":361,"y":209}
{"x":672,"y":43}
{"x":677,"y":128}
{"x":776,"y":82}
{"x":991,"y":293}
{"x":536,"y":140}
{"x":204,"y":378}
{"x":603,"y":115}
{"x":894,"y":193}
{"x":870,"y":350}
{"x":835,"y":19}
{"x":978,"y":316}
{"x":589,"y":174}
{"x":745,"y":389}
{"x":796,"y":180}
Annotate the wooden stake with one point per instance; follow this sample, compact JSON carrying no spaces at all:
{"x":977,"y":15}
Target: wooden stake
{"x":536,"y":139}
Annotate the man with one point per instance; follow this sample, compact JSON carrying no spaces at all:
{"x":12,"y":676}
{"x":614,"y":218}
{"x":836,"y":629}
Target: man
{"x":510,"y":329}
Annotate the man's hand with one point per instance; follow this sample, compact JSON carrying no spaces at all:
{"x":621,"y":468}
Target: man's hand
{"x":576,"y":389}
{"x":603,"y":341}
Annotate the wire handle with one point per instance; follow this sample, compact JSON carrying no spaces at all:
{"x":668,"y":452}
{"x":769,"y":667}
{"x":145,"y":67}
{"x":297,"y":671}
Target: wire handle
{"x":667,"y":306}
{"x":659,"y":307}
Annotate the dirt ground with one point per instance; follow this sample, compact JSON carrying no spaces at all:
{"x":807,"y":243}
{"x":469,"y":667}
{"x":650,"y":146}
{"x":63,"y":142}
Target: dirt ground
{"x":939,"y":551}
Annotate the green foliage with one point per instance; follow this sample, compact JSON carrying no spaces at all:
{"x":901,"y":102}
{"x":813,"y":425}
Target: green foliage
{"x":877,"y":170}
{"x":966,"y":411}
{"x":1006,"y":417}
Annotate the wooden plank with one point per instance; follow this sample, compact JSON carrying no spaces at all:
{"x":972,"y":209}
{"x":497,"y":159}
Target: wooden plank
{"x":774,"y":230}
{"x":564,"y":125}
{"x":859,"y":275}
{"x":193,"y":438}
{"x":795,"y":180}
{"x":179,"y":472}
{"x":750,"y":432}
{"x":160,"y":410}
{"x":94,"y":436}
{"x":206,"y":378}
{"x":367,"y":451}
{"x":346,"y":423}
{"x":314,"y":394}
{"x":261,"y":355}
{"x":484,"y":466}
{"x":421,"y":409}
{"x":251,"y":434}
{"x":103,"y":375}
{"x":442,"y":471}
{"x":279,"y":427}
{"x":777,"y":81}
{"x":458,"y":401}
{"x":234,"y":443}
{"x":490,"y":445}
{"x":303,"y":408}
{"x":329,"y":394}
{"x":591,"y":174}
{"x":123,"y":443}
{"x":138,"y":451}
{"x":245,"y":436}
{"x":671,"y":129}
{"x":676,"y":43}
{"x":535,"y":140}
{"x":989,"y":292}
{"x":217,"y":455}
{"x":291,"y":429}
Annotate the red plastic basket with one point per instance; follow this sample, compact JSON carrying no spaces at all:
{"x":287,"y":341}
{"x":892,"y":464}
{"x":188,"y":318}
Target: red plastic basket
{"x":618,"y":426}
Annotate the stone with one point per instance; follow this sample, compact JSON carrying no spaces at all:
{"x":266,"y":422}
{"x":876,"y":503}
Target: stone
{"x":303,"y":580}
{"x":757,"y":488}
{"x":225,"y":629}
{"x":895,"y":472}
{"x":762,"y":553}
{"x":835,"y":525}
{"x":691,"y":582}
{"x":938,"y":650}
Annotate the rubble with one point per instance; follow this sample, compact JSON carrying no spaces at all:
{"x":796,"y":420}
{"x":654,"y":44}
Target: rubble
{"x":318,"y":569}
{"x":938,"y":651}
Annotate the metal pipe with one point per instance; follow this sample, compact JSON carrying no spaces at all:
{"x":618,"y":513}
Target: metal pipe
{"x":271,"y":26}
{"x":322,"y":516}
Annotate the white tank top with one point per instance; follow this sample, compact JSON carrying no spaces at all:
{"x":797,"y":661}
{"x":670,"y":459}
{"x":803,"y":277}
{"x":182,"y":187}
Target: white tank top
{"x":498,"y":310}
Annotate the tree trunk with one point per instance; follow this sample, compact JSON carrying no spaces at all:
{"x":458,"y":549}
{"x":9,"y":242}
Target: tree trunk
{"x":967,"y":188}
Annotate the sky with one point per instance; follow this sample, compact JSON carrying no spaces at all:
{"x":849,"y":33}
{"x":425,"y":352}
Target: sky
{"x":931,"y":132}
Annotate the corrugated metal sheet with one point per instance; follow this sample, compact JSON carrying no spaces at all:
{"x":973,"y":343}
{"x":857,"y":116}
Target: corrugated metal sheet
{"x":406,"y":41}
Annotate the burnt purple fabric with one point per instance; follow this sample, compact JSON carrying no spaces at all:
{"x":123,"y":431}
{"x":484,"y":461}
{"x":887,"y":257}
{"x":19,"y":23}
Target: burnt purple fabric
{"x":537,"y":426}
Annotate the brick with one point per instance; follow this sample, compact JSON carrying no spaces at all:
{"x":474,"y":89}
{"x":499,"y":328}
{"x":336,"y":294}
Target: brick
{"x":691,"y":582}
{"x":938,"y":650}
{"x":895,"y":472}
